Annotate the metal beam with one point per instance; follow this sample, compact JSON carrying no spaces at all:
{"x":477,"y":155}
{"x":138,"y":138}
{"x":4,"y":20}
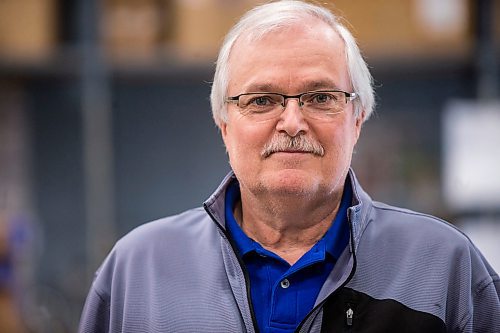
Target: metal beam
{"x":97,"y":137}
{"x":486,"y":60}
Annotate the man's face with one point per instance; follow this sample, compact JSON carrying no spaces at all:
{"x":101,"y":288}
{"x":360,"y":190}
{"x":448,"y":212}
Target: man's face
{"x":305,"y":57}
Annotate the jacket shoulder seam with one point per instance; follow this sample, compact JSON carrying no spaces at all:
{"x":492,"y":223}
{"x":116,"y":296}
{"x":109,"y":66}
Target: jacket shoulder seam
{"x":385,"y":207}
{"x":99,"y":293}
{"x":381,"y":206}
{"x":485,"y":283}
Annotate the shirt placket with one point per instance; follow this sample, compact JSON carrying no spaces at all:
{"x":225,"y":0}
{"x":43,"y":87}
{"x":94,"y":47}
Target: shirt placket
{"x":285,"y":294}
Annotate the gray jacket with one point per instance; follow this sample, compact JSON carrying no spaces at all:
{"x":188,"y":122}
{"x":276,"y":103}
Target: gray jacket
{"x":402,"y":272}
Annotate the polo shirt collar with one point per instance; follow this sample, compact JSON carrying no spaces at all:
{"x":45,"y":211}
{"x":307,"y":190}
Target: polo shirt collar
{"x":243,"y":243}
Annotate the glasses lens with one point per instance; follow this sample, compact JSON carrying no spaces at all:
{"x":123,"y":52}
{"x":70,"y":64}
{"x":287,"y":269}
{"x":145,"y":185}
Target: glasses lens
{"x":260,"y":107}
{"x":323,"y":105}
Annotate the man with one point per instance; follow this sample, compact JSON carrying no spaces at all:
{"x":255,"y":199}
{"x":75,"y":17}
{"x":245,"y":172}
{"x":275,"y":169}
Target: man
{"x":290,"y":242}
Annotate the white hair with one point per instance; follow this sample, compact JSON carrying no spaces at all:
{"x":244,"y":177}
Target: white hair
{"x":269,"y":17}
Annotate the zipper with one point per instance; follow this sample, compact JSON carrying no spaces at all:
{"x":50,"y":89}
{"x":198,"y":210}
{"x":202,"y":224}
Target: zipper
{"x":242,"y":266}
{"x":349,"y":315}
{"x":351,"y":274}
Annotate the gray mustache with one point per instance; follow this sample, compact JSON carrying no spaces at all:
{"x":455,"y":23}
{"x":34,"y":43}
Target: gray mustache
{"x":283,"y":142}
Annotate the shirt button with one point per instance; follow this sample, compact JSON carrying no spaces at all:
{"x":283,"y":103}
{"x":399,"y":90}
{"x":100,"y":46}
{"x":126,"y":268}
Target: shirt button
{"x":285,"y":283}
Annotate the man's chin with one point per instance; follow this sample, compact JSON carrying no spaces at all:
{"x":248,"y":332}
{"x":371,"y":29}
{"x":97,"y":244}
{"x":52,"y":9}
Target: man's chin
{"x":291,"y":181}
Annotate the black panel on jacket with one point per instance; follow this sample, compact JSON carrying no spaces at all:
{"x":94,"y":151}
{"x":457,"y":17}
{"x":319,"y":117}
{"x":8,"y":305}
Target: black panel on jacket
{"x":352,"y":311}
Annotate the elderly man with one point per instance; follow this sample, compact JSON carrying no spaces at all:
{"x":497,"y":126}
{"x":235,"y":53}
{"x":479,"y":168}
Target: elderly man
{"x":290,"y":242}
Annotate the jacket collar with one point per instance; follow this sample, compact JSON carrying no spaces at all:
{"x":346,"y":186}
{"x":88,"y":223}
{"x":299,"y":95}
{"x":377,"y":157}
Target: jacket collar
{"x":358,"y":212}
{"x":214,"y":205}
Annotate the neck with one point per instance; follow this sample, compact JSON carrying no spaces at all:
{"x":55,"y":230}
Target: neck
{"x":287,"y":225}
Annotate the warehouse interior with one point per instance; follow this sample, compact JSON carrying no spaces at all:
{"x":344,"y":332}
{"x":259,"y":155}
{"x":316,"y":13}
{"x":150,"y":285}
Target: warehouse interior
{"x":105,"y":124}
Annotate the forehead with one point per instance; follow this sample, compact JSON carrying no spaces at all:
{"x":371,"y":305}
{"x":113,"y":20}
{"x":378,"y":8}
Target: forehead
{"x":292,"y":57}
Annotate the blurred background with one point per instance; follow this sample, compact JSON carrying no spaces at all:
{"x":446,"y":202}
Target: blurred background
{"x":105,"y":124}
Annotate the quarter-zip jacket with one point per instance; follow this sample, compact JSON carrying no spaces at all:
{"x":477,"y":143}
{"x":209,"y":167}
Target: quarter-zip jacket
{"x":401,"y":272}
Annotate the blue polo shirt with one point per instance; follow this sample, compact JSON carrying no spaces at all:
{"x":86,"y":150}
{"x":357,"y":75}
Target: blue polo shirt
{"x":282,"y":295}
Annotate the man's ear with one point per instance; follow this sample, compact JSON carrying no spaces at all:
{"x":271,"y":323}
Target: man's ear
{"x":359,"y":123}
{"x":223,"y":132}
{"x":223,"y":128}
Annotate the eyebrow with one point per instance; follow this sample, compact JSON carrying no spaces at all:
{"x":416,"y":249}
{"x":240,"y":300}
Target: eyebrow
{"x":321,"y":84}
{"x":307,"y":86}
{"x":261,"y":87}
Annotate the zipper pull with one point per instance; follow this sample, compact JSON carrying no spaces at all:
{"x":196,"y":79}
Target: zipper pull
{"x":349,"y":313}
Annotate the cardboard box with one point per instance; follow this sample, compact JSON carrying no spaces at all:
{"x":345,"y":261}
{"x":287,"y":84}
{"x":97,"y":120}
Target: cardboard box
{"x":201,"y":25}
{"x":131,"y":29}
{"x":27,"y":28}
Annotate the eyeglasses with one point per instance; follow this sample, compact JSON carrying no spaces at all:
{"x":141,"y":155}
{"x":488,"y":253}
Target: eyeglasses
{"x":320,"y":104}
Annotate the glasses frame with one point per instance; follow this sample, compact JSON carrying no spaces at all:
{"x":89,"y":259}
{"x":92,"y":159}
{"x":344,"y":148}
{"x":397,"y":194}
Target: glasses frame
{"x":349,"y":96}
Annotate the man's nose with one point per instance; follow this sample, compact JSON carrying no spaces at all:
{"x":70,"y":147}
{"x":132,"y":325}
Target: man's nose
{"x":292,"y":120}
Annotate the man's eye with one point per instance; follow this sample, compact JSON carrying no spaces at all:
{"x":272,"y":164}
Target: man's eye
{"x":261,"y":101}
{"x":322,"y":98}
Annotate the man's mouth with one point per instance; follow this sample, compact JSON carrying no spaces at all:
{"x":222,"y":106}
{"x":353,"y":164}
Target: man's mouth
{"x":292,"y":151}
